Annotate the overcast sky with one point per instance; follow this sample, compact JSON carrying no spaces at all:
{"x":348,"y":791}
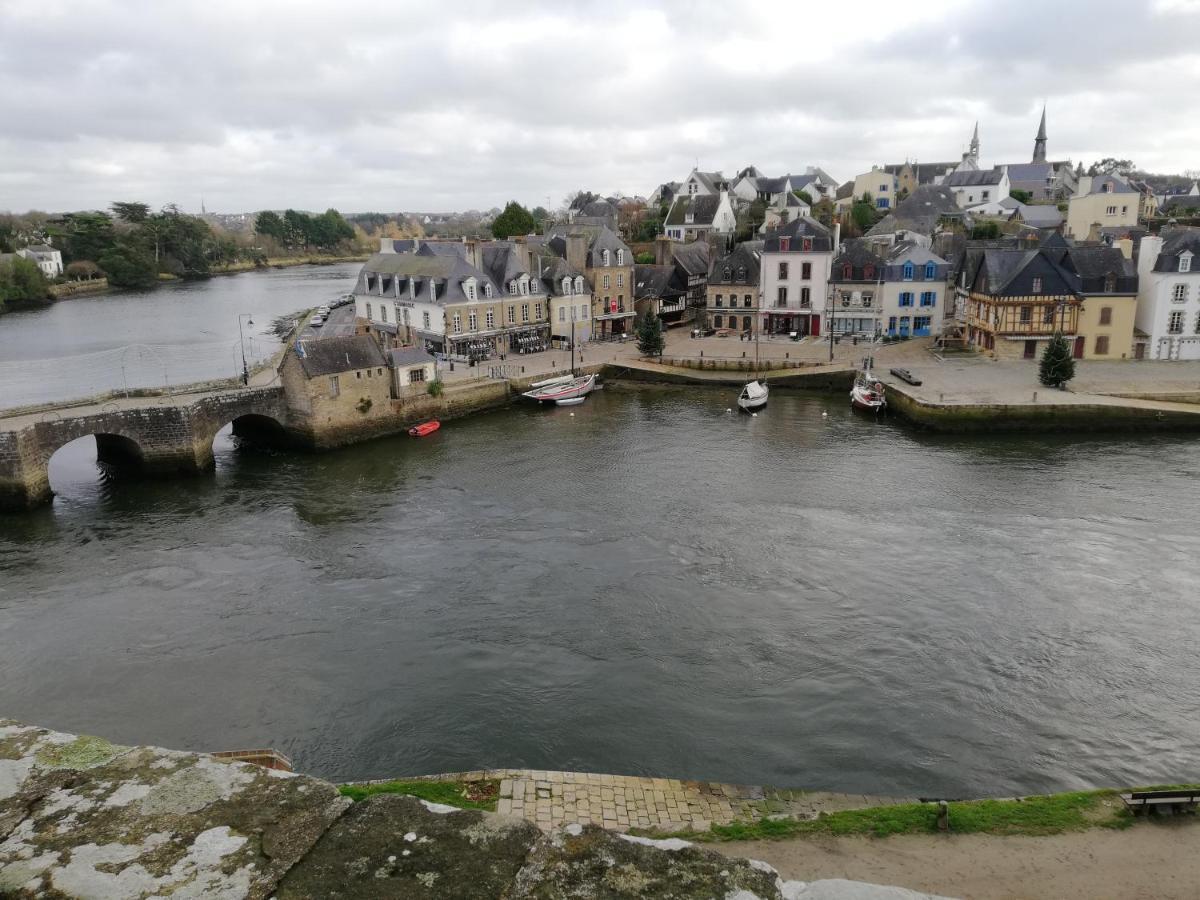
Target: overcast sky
{"x":394,"y":105}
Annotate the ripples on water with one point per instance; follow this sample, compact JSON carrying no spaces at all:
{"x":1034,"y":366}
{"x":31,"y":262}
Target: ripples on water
{"x":652,"y":585}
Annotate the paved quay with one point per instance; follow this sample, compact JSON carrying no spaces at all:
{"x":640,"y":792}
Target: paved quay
{"x":621,"y":802}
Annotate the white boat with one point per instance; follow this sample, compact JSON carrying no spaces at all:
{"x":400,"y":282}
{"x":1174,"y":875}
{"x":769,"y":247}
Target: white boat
{"x":753,"y":396}
{"x":568,"y":389}
{"x":570,"y":401}
{"x":867,"y":392}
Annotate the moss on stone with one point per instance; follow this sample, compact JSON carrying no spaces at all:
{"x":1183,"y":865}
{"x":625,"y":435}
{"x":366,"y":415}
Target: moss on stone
{"x":82,"y":753}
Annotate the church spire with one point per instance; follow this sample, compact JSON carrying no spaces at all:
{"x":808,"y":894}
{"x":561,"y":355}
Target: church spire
{"x":1039,"y":143}
{"x":975,"y":143}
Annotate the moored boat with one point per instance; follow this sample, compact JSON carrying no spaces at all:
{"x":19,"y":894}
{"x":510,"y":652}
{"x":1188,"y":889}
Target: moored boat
{"x":754,"y":396}
{"x":556,"y":389}
{"x":425,"y":428}
{"x":570,"y":401}
{"x":867,"y":392}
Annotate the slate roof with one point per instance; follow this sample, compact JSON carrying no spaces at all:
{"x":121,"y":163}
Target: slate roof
{"x":1040,"y":215}
{"x":410,"y":356}
{"x":710,"y":180}
{"x":798,"y":228}
{"x":919,"y":211}
{"x":693,"y":258}
{"x":652,"y":282}
{"x":924,"y":172}
{"x":1031,"y":172}
{"x":773,"y":185}
{"x":1184,"y":201}
{"x":857,"y":254}
{"x":600,"y":237}
{"x":747,"y":256}
{"x":329,"y":356}
{"x":703,"y":210}
{"x":436,"y":276}
{"x":1118,"y":186}
{"x":1064,"y":269}
{"x":973,"y":177}
{"x":844,"y":191}
{"x":598,"y":208}
{"x":554,"y":270}
{"x":1176,"y":241}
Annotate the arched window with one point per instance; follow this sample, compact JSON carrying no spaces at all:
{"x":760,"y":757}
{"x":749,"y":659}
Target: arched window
{"x":566,"y":285}
{"x":579,"y":284}
{"x":727,"y":273}
{"x":604,"y":256}
{"x":908,"y":271}
{"x":620,"y":257}
{"x":487,"y":290}
{"x":930,"y":270}
{"x":741,"y":273}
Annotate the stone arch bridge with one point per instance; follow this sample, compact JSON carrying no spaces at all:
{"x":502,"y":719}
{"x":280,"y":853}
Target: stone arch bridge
{"x":160,"y":435}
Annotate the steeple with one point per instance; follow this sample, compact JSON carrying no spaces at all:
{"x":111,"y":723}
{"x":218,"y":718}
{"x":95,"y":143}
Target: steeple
{"x":1039,"y":143}
{"x":974,"y":152}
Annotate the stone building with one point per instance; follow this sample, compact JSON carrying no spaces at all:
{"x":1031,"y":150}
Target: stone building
{"x":413,"y":368}
{"x":338,"y":389}
{"x":732,"y":298}
{"x":607,"y":264}
{"x":570,"y":297}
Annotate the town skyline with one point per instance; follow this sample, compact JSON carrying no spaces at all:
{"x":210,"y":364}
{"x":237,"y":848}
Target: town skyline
{"x":251,"y":109}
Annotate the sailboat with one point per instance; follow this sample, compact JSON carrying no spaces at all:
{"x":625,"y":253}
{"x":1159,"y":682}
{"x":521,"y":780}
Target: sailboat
{"x":754,"y":394}
{"x":565,"y":390}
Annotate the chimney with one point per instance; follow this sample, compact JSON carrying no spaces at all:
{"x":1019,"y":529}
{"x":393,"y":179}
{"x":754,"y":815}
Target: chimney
{"x":386,"y":245}
{"x":662,"y":250}
{"x":472,"y":247}
{"x":1125,"y":245}
{"x":577,"y":251}
{"x":837,"y":237}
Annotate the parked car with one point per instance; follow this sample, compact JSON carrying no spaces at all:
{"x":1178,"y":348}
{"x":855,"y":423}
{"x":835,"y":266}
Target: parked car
{"x":316,"y":321}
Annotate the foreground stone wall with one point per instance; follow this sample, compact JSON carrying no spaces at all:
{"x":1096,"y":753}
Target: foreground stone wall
{"x":80,"y":817}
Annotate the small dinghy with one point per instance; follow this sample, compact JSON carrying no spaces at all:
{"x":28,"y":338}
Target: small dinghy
{"x":570,"y":401}
{"x":425,"y":428}
{"x":754,"y":396}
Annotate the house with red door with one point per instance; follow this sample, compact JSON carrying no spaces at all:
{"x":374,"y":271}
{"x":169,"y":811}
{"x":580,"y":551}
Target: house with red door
{"x":795,"y":267}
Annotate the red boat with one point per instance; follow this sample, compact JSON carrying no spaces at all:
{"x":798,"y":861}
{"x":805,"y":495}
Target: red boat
{"x":425,"y":428}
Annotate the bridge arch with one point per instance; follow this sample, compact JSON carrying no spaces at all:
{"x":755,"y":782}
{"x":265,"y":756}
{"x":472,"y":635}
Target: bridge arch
{"x":89,"y":459}
{"x":254,"y":429}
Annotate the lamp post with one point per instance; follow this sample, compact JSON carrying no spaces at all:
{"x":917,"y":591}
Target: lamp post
{"x":242,"y":343}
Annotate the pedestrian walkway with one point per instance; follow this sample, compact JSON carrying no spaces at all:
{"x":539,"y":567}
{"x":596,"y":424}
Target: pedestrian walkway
{"x":622,"y":802}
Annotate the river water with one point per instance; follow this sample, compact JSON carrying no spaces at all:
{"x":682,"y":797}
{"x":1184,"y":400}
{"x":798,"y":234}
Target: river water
{"x":177,"y":333}
{"x":650,"y":585}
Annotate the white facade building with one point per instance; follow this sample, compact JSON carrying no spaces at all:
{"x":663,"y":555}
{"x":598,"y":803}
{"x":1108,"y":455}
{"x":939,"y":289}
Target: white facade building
{"x":1168,"y":303}
{"x":795,"y":270}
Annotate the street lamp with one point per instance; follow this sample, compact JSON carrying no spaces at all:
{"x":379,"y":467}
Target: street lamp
{"x":242,"y":342}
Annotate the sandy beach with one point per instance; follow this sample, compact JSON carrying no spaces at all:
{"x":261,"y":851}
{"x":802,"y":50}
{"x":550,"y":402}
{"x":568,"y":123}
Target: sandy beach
{"x":1151,"y":860}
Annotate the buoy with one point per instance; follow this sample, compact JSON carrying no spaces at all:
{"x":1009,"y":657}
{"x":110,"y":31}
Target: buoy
{"x":824,"y":414}
{"x":572,"y":415}
{"x":729,"y":410}
{"x":754,"y":415}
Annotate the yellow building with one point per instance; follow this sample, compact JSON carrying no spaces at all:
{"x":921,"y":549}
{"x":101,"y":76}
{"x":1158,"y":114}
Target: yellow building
{"x":1016,"y":300}
{"x":1104,"y":201}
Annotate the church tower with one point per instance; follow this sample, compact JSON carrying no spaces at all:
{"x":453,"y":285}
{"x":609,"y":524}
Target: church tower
{"x":974,"y":151}
{"x":1039,"y":143}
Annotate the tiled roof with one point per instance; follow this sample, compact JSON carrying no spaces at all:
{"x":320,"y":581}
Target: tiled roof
{"x":329,"y":356}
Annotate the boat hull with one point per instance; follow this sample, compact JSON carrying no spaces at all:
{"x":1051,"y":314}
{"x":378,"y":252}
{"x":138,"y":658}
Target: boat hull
{"x":425,"y":428}
{"x":568,"y":390}
{"x":749,"y":401}
{"x":570,"y":401}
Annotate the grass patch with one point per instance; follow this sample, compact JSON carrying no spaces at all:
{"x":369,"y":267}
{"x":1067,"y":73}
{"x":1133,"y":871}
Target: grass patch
{"x":1052,"y":814}
{"x":463,"y":794}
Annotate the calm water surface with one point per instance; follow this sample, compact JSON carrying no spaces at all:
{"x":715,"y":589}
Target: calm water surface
{"x":177,"y":333}
{"x":650,"y":586}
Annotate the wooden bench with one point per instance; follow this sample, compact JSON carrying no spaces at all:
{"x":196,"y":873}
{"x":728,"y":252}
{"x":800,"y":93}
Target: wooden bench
{"x":1153,"y":801}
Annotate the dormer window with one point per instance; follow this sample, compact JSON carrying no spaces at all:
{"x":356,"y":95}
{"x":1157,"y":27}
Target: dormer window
{"x":847,"y":272}
{"x":605,"y":258}
{"x":868,"y":272}
{"x":727,"y":274}
{"x":806,"y":244}
{"x":512,"y":286}
{"x":1110,"y":283}
{"x":909,"y":269}
{"x":566,"y":285}
{"x":1185,"y":261}
{"x":785,"y":244}
{"x":487,"y":291}
{"x":1037,"y":285}
{"x":469,"y":289}
{"x":579,"y":284}
{"x":689,"y":218}
{"x":620,"y":257}
{"x":930,"y":271}
{"x":741,"y":273}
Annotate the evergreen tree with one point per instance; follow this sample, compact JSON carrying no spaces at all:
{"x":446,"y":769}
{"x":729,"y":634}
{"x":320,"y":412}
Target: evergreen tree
{"x":1057,"y":366}
{"x":649,"y":335}
{"x":515,"y":219}
{"x":21,"y":281}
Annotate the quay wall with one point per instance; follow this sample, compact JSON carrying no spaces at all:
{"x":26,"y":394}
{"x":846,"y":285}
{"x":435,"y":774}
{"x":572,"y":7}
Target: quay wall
{"x":967,"y":418}
{"x":807,"y":378}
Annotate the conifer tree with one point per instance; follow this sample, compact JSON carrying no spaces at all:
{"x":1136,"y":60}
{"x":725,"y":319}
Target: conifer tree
{"x":649,"y":335}
{"x":1057,"y":367}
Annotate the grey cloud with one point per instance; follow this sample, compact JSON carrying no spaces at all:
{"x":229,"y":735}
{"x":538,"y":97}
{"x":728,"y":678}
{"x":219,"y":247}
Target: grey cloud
{"x":367,"y":105}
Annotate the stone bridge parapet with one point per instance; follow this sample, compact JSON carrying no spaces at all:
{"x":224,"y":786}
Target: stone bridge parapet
{"x":160,"y":435}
